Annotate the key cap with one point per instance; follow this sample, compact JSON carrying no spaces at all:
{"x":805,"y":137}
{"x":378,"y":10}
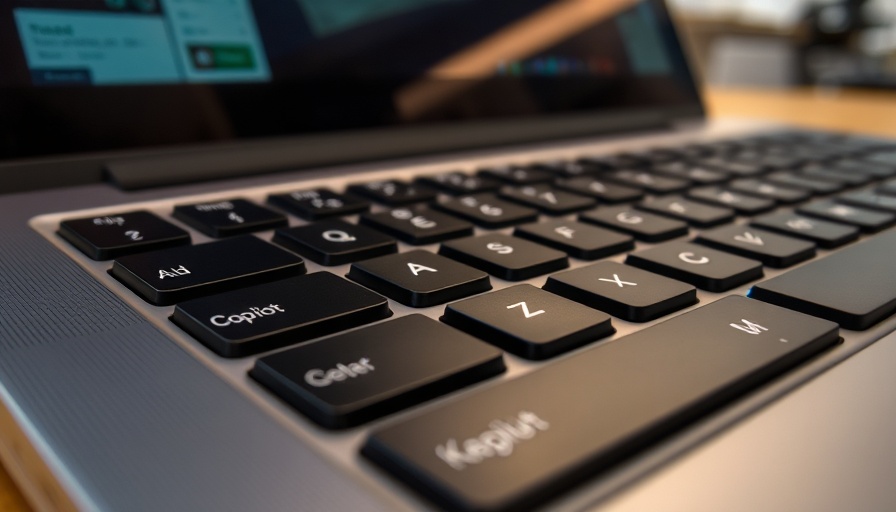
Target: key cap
{"x":488,"y":211}
{"x":759,"y":188}
{"x":696,"y":214}
{"x":547,"y":199}
{"x":516,"y":175}
{"x":355,"y":377}
{"x":825,"y":172}
{"x":514,"y":445}
{"x":855,"y":287}
{"x":605,"y":191}
{"x":458,"y":183}
{"x":884,"y":159}
{"x":825,"y":234}
{"x":318,"y":204}
{"x":865,"y":167}
{"x":771,"y":249}
{"x":507,"y":257}
{"x":869,"y":221}
{"x":705,"y":268}
{"x":623,"y":291}
{"x":419,"y":278}
{"x":793,"y":179}
{"x":112,"y":236}
{"x":734,"y":168}
{"x":335,"y":242}
{"x":228,"y":218}
{"x":418,"y":226}
{"x":642,"y":225}
{"x":174,"y":275}
{"x":394,"y":192}
{"x":273,"y":315}
{"x":645,"y":180}
{"x":576,"y":239}
{"x":888,"y":187}
{"x":573,"y":169}
{"x":528,"y":322}
{"x":867,"y":199}
{"x":691,"y":172}
{"x":741,"y":203}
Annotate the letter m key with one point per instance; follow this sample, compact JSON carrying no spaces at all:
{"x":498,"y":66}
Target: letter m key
{"x":749,"y":327}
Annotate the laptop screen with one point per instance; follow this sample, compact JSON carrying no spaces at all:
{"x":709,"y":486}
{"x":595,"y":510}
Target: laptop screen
{"x":110,"y":74}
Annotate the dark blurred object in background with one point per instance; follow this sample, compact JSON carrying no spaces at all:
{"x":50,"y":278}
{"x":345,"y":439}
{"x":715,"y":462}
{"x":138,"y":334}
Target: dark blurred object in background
{"x":792,"y":42}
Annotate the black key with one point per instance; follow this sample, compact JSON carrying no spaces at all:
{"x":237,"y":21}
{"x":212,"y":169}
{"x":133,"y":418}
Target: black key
{"x":418,"y":226}
{"x":888,"y":187}
{"x":623,"y":291}
{"x":869,"y":221}
{"x":419,"y":278}
{"x":112,"y":236}
{"x":318,"y":204}
{"x":643,"y":226}
{"x":771,"y":249}
{"x":691,"y":172}
{"x":335,"y":242}
{"x":845,"y":178}
{"x":576,"y":239}
{"x":174,"y":275}
{"x":865,"y":167}
{"x":394,"y":192}
{"x":507,"y":257}
{"x":528,"y":322}
{"x":488,"y":211}
{"x":793,"y":179}
{"x":759,"y":188}
{"x":273,"y":315}
{"x":856,"y":287}
{"x":741,"y":203}
{"x":617,"y":161}
{"x":868,"y":199}
{"x":825,"y":234}
{"x":458,"y":183}
{"x":547,"y":199}
{"x":605,"y":191}
{"x":884,"y":159}
{"x":228,"y":218}
{"x":355,"y":377}
{"x":732,"y":167}
{"x":648,"y":181}
{"x":513,"y":445}
{"x":705,"y":268}
{"x":573,"y":169}
{"x":696,"y":214}
{"x":516,"y":175}
{"x":770,"y":161}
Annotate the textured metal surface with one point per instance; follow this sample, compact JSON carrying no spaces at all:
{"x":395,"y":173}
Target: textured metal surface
{"x":131,"y":420}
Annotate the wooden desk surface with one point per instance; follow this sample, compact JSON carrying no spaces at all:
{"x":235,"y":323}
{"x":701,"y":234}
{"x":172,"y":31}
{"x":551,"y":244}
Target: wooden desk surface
{"x":870,"y":112}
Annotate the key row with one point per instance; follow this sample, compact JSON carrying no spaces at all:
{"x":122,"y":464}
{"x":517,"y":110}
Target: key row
{"x":111,"y":236}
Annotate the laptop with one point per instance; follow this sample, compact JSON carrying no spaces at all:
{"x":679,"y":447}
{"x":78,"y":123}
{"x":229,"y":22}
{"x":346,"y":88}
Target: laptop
{"x":424,"y":255}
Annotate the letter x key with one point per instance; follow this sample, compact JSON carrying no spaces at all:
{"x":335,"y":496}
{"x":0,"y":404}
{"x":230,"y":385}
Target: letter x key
{"x":618,"y":281}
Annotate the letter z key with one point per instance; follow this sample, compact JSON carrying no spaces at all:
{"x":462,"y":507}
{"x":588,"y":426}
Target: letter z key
{"x":529,"y":322}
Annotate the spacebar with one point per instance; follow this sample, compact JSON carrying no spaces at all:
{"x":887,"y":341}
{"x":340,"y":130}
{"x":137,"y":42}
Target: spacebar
{"x":855,"y":287}
{"x":521,"y":441}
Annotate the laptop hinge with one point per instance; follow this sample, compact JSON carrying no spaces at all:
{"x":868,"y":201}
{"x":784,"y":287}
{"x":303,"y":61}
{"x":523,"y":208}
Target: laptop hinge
{"x":250,"y":158}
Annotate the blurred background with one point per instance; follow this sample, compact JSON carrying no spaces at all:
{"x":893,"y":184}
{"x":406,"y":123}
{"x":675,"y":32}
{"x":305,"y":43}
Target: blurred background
{"x":784,"y":43}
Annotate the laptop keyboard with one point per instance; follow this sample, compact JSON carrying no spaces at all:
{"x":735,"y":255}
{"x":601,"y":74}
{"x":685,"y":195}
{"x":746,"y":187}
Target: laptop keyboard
{"x":514,"y":261}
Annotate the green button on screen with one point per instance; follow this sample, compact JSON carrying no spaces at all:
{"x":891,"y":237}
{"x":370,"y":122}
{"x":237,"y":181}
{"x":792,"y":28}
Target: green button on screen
{"x":222,"y":56}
